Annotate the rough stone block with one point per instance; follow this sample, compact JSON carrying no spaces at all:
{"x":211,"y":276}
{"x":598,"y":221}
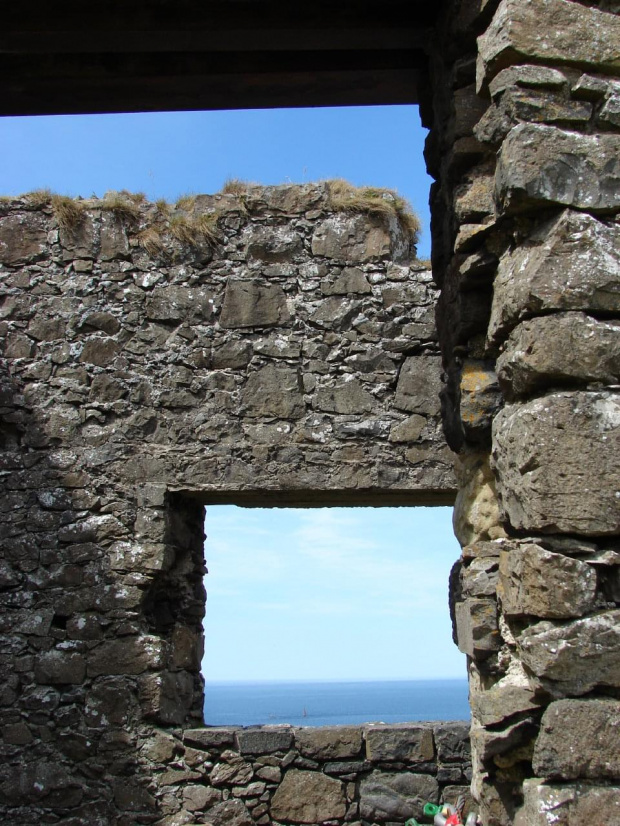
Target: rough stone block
{"x":396,"y":797}
{"x":452,"y":742}
{"x":273,"y":244}
{"x":476,"y":513}
{"x":419,"y":384}
{"x":541,"y":165}
{"x":329,"y":743}
{"x":129,"y":655}
{"x":544,"y":584}
{"x":411,"y":744}
{"x":229,"y":813}
{"x":253,"y":304}
{"x":559,"y":349}
{"x":568,"y":805}
{"x":347,"y":398}
{"x":476,"y":627}
{"x":23,"y":239}
{"x":571,"y":262}
{"x":556,"y":463}
{"x":308,"y":797}
{"x":263,"y":740}
{"x":60,"y":668}
{"x":273,"y":391}
{"x":208,"y":738}
{"x":579,"y":739}
{"x":577,"y":656}
{"x":358,"y":239}
{"x":573,"y":33}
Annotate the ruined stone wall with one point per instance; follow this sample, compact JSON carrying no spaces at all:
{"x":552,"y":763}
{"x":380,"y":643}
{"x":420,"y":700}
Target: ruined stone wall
{"x":257,"y":348}
{"x":525,"y":147}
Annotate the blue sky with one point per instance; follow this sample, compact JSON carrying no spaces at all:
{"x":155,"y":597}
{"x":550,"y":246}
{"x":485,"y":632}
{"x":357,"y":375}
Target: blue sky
{"x":321,"y":594}
{"x":329,"y":593}
{"x":166,"y":155}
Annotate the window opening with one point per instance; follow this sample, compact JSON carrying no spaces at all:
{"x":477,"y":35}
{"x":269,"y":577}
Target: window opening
{"x":330,"y":616}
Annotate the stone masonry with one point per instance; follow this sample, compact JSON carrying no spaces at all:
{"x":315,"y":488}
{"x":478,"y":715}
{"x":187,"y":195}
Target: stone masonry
{"x":263,"y":347}
{"x":259,"y":347}
{"x":525,"y":149}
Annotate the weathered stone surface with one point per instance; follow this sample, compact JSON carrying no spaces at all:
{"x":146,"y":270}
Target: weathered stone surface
{"x":265,"y":740}
{"x":253,"y":304}
{"x":235,"y":770}
{"x":23,"y":239}
{"x":329,"y":742}
{"x":528,"y":76}
{"x":308,"y":797}
{"x":579,"y":739}
{"x":476,"y":627}
{"x":560,"y":349}
{"x":452,"y":742}
{"x":273,"y":245}
{"x":413,"y":744}
{"x":573,"y":34}
{"x":229,"y":813}
{"x":479,"y":578}
{"x":568,"y":805}
{"x":576,"y":656}
{"x":408,"y":431}
{"x":419,"y":383}
{"x":538,"y":582}
{"x":396,"y":797}
{"x":131,"y":655}
{"x":348,"y":398}
{"x":60,"y":667}
{"x":350,"y":238}
{"x":571,"y":262}
{"x":350,"y":281}
{"x":480,"y":399}
{"x":541,"y":165}
{"x":273,"y":391}
{"x":205,"y":738}
{"x":556,"y":466}
{"x":476,"y":513}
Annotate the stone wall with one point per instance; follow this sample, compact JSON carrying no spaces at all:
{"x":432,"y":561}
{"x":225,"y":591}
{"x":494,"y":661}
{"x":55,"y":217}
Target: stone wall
{"x":262,"y":347}
{"x":337,"y":775}
{"x":525,"y":147}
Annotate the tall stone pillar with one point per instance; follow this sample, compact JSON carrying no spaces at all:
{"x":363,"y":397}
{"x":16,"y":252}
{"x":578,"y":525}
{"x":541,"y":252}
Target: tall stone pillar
{"x":527,"y":251}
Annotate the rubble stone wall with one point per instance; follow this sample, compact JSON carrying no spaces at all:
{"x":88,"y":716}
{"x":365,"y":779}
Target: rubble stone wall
{"x":525,"y":149}
{"x":257,"y":348}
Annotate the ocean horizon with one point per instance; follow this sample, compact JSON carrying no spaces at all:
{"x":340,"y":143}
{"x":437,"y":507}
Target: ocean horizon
{"x":334,"y":702}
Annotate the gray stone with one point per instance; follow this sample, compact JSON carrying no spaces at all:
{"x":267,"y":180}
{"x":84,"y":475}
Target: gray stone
{"x":232,"y":354}
{"x":396,"y":797}
{"x":329,"y":742}
{"x":577,"y":656}
{"x":229,"y":813}
{"x":544,"y":584}
{"x":129,"y":655}
{"x":476,"y":627}
{"x":207,"y":738}
{"x":355,"y":239}
{"x":452,"y":742}
{"x":308,"y":797}
{"x":60,"y":668}
{"x":350,"y":281}
{"x":347,"y":398}
{"x":264,"y":740}
{"x":542,"y":165}
{"x":418,"y":387}
{"x":253,"y":304}
{"x":273,"y":391}
{"x":560,"y":349}
{"x":23,"y":238}
{"x":236,"y":770}
{"x":568,"y":805}
{"x":579,"y":739}
{"x":479,"y":578}
{"x":177,"y":302}
{"x":571,"y":262}
{"x":408,"y":743}
{"x":572,"y":34}
{"x":527,"y":76}
{"x":409,"y":430}
{"x":274,"y":244}
{"x":555,"y":460}
{"x":196,"y":797}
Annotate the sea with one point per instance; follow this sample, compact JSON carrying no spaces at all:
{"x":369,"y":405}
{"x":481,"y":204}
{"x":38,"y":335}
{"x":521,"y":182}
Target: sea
{"x":334,"y":703}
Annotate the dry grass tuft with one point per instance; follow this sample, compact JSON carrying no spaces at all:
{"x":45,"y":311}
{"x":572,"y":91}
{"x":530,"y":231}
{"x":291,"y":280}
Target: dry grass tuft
{"x":68,"y":212}
{"x":150,"y":240}
{"x":192,"y":230}
{"x":163,"y":207}
{"x":234,"y":186}
{"x":121,"y":204}
{"x":344,"y":197}
{"x":185,"y":202}
{"x":38,"y":198}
